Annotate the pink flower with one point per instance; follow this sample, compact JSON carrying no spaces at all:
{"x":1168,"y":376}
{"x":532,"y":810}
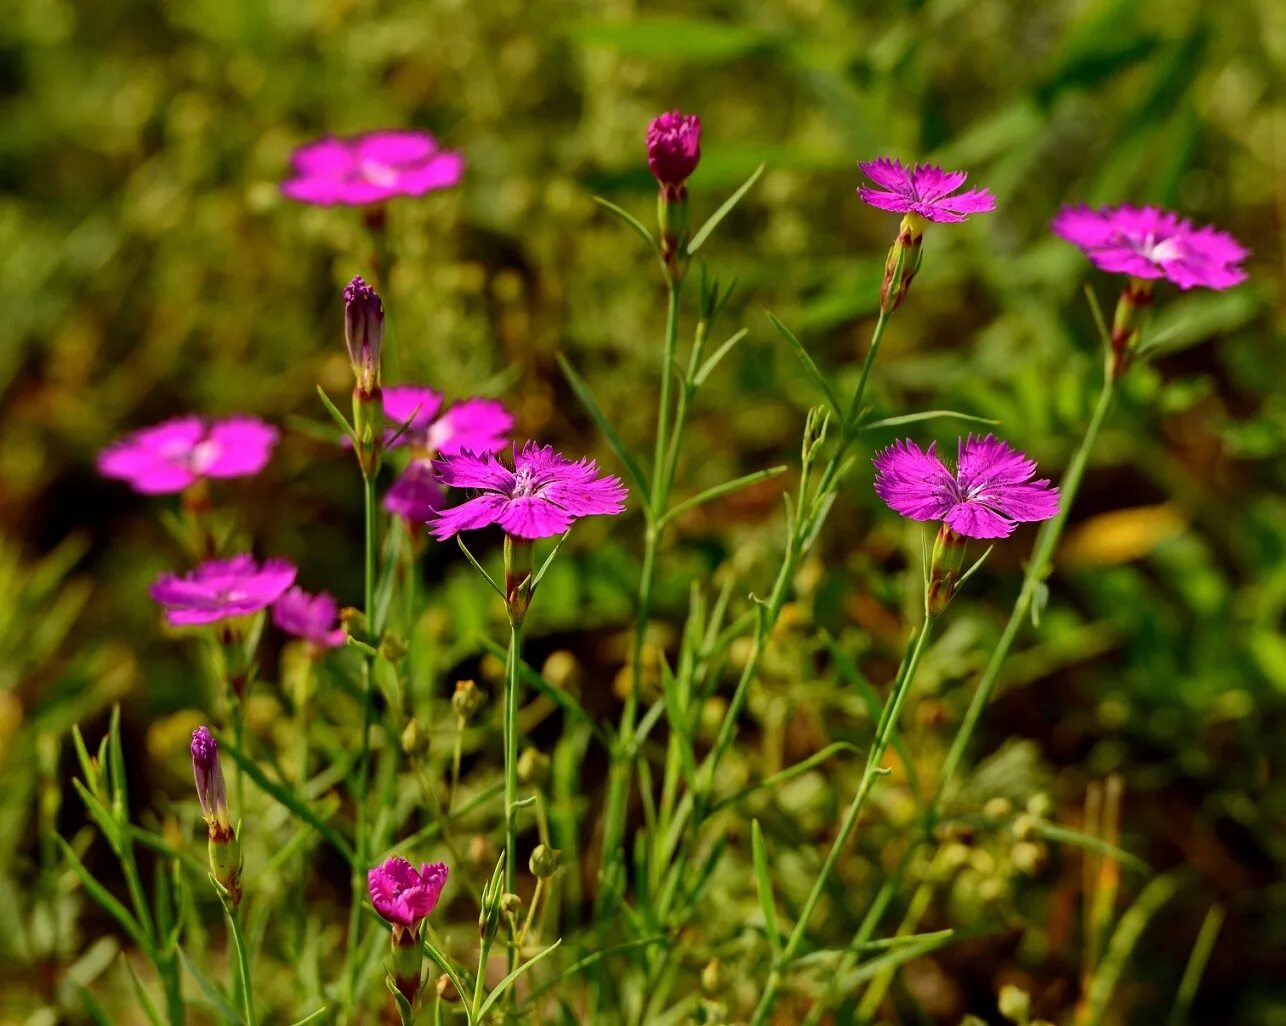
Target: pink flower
{"x":371,"y":168}
{"x":315,"y":618}
{"x":222,"y":588}
{"x":416,"y":494}
{"x":541,"y":497}
{"x":923,"y":189}
{"x":1147,"y":242}
{"x":177,"y":453}
{"x":401,"y":894}
{"x":989,"y":494}
{"x":479,"y":425}
{"x":211,"y":790}
{"x":673,"y":149}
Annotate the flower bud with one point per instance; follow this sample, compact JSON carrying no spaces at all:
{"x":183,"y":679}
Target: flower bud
{"x":446,"y":989}
{"x":533,"y":768}
{"x":997,"y":808}
{"x":392,"y":647}
{"x":467,"y":699}
{"x":415,"y":742}
{"x":1127,"y":326}
{"x":407,"y":961}
{"x":520,"y":556}
{"x":212,"y":792}
{"x":545,"y":861}
{"x":903,"y":262}
{"x":673,"y":152}
{"x":510,"y":905}
{"x":1015,"y":1004}
{"x":1028,"y":858}
{"x":944,"y":570}
{"x":713,"y":978}
{"x":363,"y":333}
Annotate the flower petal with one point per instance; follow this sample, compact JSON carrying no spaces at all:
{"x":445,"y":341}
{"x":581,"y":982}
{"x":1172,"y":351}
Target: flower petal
{"x":479,"y":425}
{"x":976,"y":521}
{"x":888,"y":173}
{"x":913,"y":482}
{"x":242,"y":446}
{"x":466,"y":469}
{"x":468,"y":516}
{"x":532,"y":517}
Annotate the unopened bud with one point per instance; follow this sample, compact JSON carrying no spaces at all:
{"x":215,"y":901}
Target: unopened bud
{"x":392,"y":647}
{"x":1040,"y":805}
{"x":446,"y":989}
{"x":1015,"y":1004}
{"x":1024,"y":826}
{"x":1028,"y":858}
{"x":1127,"y":327}
{"x":545,"y":861}
{"x":363,"y":333}
{"x":998,"y":808}
{"x":903,"y":262}
{"x":415,"y":742}
{"x":510,"y":905}
{"x":713,"y":978}
{"x":467,"y":699}
{"x":944,"y":570}
{"x":533,"y":767}
{"x":520,"y":562}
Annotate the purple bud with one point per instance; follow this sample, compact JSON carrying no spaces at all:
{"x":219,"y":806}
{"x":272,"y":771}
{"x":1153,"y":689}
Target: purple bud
{"x":363,"y":332}
{"x":673,"y":150}
{"x":211,"y":790}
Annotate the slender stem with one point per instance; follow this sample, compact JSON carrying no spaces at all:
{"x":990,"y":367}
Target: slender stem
{"x":243,"y":964}
{"x":884,"y":733}
{"x":456,"y":751}
{"x":859,"y":393}
{"x":513,"y":683}
{"x":1037,"y":570}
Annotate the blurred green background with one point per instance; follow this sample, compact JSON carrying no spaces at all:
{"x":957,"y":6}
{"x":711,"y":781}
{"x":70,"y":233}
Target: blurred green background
{"x":149,"y":266}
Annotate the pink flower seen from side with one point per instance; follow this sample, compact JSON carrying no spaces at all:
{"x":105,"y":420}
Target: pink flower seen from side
{"x":416,"y":494}
{"x":222,"y":588}
{"x":371,"y":168}
{"x":673,"y":149}
{"x":541,"y":497}
{"x":923,"y":189}
{"x":314,"y":618}
{"x":988,"y":495}
{"x":404,"y":895}
{"x":479,"y":425}
{"x":177,"y":453}
{"x":1148,"y":242}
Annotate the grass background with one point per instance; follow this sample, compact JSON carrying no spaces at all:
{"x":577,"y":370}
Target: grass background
{"x":148,"y":266}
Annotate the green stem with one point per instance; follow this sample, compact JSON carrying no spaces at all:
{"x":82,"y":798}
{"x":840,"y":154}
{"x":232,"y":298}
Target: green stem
{"x":243,"y":965}
{"x":513,"y":684}
{"x":883,"y":735}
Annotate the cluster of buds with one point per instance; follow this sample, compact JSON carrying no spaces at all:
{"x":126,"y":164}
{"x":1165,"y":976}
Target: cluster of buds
{"x":212,"y":793}
{"x":1127,"y":324}
{"x":405,"y":897}
{"x":673,"y":152}
{"x":903,"y":262}
{"x":364,"y":336}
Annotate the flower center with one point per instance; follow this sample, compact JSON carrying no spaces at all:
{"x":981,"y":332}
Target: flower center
{"x":377,"y":173}
{"x":1158,"y":251}
{"x":524,"y":483}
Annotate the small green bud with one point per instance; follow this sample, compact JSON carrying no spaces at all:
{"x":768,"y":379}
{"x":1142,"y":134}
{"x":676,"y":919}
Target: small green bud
{"x":510,"y":904}
{"x":415,"y":742}
{"x":467,"y":699}
{"x":998,"y":808}
{"x":1015,"y":1004}
{"x":446,"y":989}
{"x":392,"y":648}
{"x":1024,"y":826}
{"x":1028,"y":858}
{"x":533,"y":767}
{"x":1040,"y":805}
{"x":545,"y":861}
{"x":713,"y":978}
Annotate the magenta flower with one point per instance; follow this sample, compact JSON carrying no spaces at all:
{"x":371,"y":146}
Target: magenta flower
{"x":923,"y":189}
{"x":1147,"y":242}
{"x":416,"y":494}
{"x":541,"y":497}
{"x":177,"y":453}
{"x":403,"y":895}
{"x":990,"y":493}
{"x":315,"y":618}
{"x":371,"y":168}
{"x":222,"y":588}
{"x":479,"y":425}
{"x":673,"y":150}
{"x":211,"y":790}
{"x":363,"y":333}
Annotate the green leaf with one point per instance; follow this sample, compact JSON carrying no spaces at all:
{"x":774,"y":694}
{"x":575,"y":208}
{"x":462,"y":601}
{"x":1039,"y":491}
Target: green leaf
{"x":727,"y":488}
{"x":285,"y":796}
{"x":441,"y":960}
{"x":504,"y":984}
{"x":763,"y":882}
{"x":1066,"y":835}
{"x":144,"y":998}
{"x":404,"y":1010}
{"x":911,"y":418}
{"x":311,"y":1016}
{"x":338,"y":417}
{"x":590,"y":960}
{"x":631,"y":465}
{"x":1196,"y":966}
{"x":1097,"y":312}
{"x":540,"y":573}
{"x":109,"y":904}
{"x":714,"y":359}
{"x":670,"y":38}
{"x":814,"y":375}
{"x":789,"y":773}
{"x":630,"y":220}
{"x":712,"y":222}
{"x":1158,"y":891}
{"x":216,"y":998}
{"x":478,"y":566}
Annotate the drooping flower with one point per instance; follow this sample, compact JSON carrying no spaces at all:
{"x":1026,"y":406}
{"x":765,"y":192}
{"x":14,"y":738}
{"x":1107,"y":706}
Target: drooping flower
{"x":541,"y":497}
{"x":211,"y":790}
{"x":371,"y":168}
{"x":923,"y":189}
{"x":177,"y":453}
{"x":988,"y":495}
{"x":404,"y":895}
{"x":222,"y":588}
{"x":479,"y":425}
{"x":314,"y":618}
{"x":1149,"y":243}
{"x":673,"y":149}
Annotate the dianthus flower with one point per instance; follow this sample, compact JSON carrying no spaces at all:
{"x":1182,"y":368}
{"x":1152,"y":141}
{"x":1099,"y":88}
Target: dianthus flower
{"x":404,"y":895}
{"x":177,"y":453}
{"x":990,"y":493}
{"x":371,"y":168}
{"x":221,"y":589}
{"x":673,"y":150}
{"x":541,"y":497}
{"x":314,"y":618}
{"x":1148,"y":242}
{"x":212,"y":792}
{"x":923,"y":189}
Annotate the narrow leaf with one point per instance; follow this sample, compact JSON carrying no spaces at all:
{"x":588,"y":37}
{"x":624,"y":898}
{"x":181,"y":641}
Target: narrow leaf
{"x":560,"y":697}
{"x":1158,"y":891}
{"x":504,"y":984}
{"x":727,"y":488}
{"x":216,"y":998}
{"x":104,"y":898}
{"x":338,"y":417}
{"x":631,"y":220}
{"x":715,"y":358}
{"x":478,"y":566}
{"x":535,"y":581}
{"x":1196,"y":966}
{"x":631,"y":465}
{"x":911,"y":418}
{"x":814,"y":375}
{"x":763,"y":881}
{"x":712,"y":222}
{"x":144,"y":998}
{"x":789,"y":773}
{"x":311,"y":1017}
{"x":1097,"y":312}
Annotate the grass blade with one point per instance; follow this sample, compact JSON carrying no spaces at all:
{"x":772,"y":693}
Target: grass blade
{"x":714,"y":359}
{"x":912,"y":418}
{"x":1158,"y":891}
{"x":727,"y":488}
{"x":763,"y":882}
{"x":1196,"y":966}
{"x":814,"y":375}
{"x":712,"y":222}
{"x":508,"y":981}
